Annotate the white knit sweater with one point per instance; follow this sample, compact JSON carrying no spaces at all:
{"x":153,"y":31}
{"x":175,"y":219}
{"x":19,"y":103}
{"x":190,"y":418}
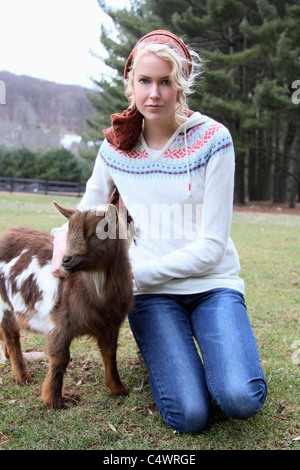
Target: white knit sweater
{"x":181,"y":201}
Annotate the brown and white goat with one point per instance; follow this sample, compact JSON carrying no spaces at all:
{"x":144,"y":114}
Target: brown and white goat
{"x":93,"y":299}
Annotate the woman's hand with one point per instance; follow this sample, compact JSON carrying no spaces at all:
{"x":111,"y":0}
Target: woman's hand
{"x":59,"y":246}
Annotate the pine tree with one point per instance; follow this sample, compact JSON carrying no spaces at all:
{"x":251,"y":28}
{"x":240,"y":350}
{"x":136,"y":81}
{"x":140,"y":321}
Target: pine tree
{"x":278,"y":34}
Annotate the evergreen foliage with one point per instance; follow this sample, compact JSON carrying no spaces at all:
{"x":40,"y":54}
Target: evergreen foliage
{"x":56,"y":164}
{"x":251,"y":52}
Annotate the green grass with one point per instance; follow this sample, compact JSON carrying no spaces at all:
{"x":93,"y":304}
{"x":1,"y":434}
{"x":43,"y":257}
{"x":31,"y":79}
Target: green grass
{"x":269,"y":248}
{"x":33,"y":210}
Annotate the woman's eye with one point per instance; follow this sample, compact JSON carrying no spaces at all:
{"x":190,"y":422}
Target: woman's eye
{"x":166,"y":82}
{"x":143,"y":80}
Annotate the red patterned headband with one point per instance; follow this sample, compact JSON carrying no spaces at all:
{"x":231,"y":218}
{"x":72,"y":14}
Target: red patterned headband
{"x":161,"y":37}
{"x":127,"y":127}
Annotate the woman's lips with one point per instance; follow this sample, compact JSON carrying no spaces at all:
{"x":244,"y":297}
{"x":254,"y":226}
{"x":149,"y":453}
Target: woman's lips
{"x":153,"y":106}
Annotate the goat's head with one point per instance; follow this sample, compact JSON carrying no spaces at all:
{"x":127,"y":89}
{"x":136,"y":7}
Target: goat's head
{"x":90,"y":238}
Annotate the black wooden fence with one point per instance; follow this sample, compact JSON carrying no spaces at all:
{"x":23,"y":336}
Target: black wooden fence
{"x":41,"y":186}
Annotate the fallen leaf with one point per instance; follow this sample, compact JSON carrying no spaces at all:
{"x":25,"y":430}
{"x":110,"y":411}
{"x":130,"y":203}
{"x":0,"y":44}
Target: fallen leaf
{"x":112,"y":427}
{"x":3,"y":439}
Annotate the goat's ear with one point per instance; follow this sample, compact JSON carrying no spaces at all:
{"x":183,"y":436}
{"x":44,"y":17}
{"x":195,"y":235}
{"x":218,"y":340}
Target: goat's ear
{"x":111,"y":214}
{"x":64,"y":210}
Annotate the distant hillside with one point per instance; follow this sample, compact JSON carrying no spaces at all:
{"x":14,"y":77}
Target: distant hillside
{"x":38,"y":112}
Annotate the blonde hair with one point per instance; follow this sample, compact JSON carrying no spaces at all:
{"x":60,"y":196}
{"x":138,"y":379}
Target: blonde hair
{"x":180,"y":78}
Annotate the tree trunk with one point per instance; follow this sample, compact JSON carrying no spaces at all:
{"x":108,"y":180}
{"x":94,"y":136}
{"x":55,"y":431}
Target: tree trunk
{"x":284,"y":170}
{"x":295,"y":185}
{"x":239,"y":193}
{"x":277,"y":166}
{"x":252,"y":174}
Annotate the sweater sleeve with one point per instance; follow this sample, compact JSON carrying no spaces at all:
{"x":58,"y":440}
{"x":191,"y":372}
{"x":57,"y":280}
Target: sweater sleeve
{"x":208,"y":250}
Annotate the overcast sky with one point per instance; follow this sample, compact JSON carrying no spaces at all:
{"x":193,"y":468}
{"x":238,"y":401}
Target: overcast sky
{"x":52,"y":39}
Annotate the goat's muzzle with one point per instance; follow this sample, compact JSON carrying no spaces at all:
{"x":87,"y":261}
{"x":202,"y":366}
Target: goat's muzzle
{"x":66,"y":264}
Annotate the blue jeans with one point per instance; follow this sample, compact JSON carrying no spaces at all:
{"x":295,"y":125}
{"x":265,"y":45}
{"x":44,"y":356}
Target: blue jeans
{"x":164,"y":327}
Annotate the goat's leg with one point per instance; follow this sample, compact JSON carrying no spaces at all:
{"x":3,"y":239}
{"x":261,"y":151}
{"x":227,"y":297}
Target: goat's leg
{"x":59,"y":357}
{"x":108,"y":348}
{"x":11,"y":335}
{"x":2,"y":338}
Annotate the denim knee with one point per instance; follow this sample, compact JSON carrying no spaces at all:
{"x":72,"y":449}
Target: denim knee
{"x":188,"y":418}
{"x":242,"y":403}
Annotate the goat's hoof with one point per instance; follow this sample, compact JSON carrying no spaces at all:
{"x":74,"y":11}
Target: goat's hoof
{"x":120,"y":391}
{"x":54,"y":403}
{"x":24,"y":379}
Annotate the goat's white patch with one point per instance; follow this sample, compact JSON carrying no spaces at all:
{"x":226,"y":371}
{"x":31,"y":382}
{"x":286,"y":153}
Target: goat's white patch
{"x":6,"y":267}
{"x":47,"y":285}
{"x":16,"y":298}
{"x":3,"y":306}
{"x":32,"y":268}
{"x":40,"y":324}
{"x":18,"y":303}
{"x":98,"y":278}
{"x":5,"y":270}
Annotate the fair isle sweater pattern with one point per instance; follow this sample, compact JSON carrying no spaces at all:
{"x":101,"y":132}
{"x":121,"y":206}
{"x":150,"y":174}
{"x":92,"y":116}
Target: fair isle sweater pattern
{"x":213,"y":141}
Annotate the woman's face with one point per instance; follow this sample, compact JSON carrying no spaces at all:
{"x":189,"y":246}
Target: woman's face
{"x":155,"y":97}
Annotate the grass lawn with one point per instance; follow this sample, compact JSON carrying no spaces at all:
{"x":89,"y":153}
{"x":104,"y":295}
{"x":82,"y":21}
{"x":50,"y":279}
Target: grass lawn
{"x":269,"y":249}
